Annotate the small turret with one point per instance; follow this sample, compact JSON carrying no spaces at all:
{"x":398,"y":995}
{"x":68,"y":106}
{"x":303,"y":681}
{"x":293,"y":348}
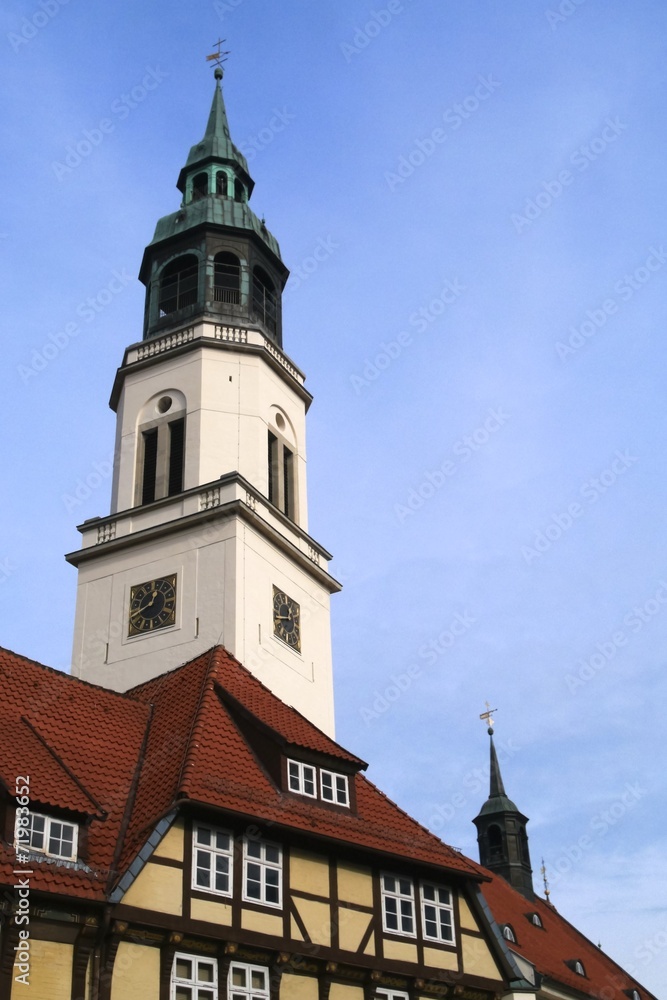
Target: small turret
{"x":501,"y":832}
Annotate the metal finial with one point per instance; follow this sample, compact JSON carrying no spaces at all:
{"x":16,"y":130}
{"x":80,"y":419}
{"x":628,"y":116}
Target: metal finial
{"x":488,"y":717}
{"x":543,"y":869}
{"x":219,"y":58}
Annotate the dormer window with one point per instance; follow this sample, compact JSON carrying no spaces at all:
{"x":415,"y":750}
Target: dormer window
{"x":334,"y":788}
{"x":302,"y":778}
{"x":535,"y":919}
{"x":508,"y":933}
{"x":45,"y":835}
{"x":314,"y":782}
{"x":577,"y":966}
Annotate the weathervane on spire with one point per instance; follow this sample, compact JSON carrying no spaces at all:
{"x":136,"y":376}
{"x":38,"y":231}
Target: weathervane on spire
{"x":487,"y":717}
{"x":219,"y":58}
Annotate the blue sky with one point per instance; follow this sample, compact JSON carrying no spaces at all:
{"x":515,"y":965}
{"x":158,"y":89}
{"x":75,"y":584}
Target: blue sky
{"x":485,"y":340}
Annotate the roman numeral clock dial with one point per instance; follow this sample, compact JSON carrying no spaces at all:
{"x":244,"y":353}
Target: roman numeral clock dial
{"x":152,"y":605}
{"x":286,"y":619}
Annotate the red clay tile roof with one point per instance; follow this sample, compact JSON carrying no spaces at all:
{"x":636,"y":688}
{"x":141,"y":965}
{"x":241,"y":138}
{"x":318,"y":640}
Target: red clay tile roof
{"x":95,"y":734}
{"x":549,"y":947}
{"x":82,"y":747}
{"x":197,"y":752}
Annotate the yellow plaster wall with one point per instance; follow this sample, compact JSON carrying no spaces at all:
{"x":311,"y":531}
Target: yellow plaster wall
{"x":211,"y":910}
{"x":400,"y":951}
{"x":159,"y":888}
{"x":466,"y":917}
{"x":298,"y":987}
{"x":50,"y":975}
{"x":370,"y":947}
{"x":477,"y":959}
{"x":296,"y":933}
{"x":355,"y":885}
{"x":309,"y":872}
{"x":437,"y":959}
{"x":172,"y":844}
{"x":352,"y":925}
{"x":136,"y":972}
{"x":316,"y":918}
{"x":262,"y":923}
{"x":340,"y":991}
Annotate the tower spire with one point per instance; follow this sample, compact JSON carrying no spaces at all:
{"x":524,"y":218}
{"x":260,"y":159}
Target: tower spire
{"x":501,"y":828}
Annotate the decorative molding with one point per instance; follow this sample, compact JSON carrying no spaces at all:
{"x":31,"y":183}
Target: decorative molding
{"x":231,"y":334}
{"x":106,"y":532}
{"x":158,"y":345}
{"x":209,"y":498}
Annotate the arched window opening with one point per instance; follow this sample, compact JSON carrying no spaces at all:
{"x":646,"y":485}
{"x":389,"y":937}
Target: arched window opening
{"x":536,"y":920}
{"x":179,"y":284}
{"x":227,"y":278}
{"x":579,"y":968}
{"x":508,"y":934}
{"x":264,"y":301}
{"x":221,"y":183}
{"x":199,"y":187}
{"x":239,"y":190}
{"x":495,"y":841}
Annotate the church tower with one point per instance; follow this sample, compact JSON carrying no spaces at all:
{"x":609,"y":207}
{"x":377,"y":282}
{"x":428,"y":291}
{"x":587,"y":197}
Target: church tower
{"x":207,"y":539}
{"x":501,"y":833}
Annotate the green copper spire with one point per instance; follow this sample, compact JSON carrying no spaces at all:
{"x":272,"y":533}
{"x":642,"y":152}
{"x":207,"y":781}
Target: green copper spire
{"x":217,"y":145}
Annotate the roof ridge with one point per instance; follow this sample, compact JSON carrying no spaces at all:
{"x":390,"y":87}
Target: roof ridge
{"x":131,"y":799}
{"x":61,"y":763}
{"x":122,"y":695}
{"x":187,"y":760}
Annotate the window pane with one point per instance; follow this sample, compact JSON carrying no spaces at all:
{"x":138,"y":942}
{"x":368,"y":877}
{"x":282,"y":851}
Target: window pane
{"x":253,"y":849}
{"x":238,"y":976}
{"x":222,"y":841}
{"x":183,"y":968}
{"x":203,"y":835}
{"x":272,"y":854}
{"x":258,"y":979}
{"x":205,"y":972}
{"x":405,"y":887}
{"x":389,"y":884}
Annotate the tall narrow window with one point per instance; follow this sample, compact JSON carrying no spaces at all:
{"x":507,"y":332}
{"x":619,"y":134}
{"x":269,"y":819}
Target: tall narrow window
{"x":398,"y":905}
{"x":179,"y":284}
{"x":150,"y":466}
{"x":221,"y":183}
{"x":199,"y":187}
{"x":273,"y":469}
{"x":264,"y":301}
{"x":262,"y":872}
{"x":194,"y":978}
{"x":288,"y":481}
{"x":281,"y":477}
{"x":176,"y":456}
{"x":227,"y":278}
{"x":239,"y":190}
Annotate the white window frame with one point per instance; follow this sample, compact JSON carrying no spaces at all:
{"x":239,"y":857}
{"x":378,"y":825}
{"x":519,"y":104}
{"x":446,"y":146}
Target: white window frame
{"x":438,"y":906}
{"x":508,"y":933}
{"x":336,"y":789}
{"x":264,"y":866}
{"x":398,"y":897}
{"x":248,"y":992}
{"x":392,"y":994}
{"x":195,"y":984}
{"x":301,"y":778}
{"x":214,"y":853}
{"x":26,"y":845}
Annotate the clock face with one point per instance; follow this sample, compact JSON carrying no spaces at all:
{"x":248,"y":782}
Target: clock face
{"x":286,"y":619}
{"x":152,"y":605}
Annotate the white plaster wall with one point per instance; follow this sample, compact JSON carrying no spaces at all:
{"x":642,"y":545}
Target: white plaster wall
{"x":226,"y":573}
